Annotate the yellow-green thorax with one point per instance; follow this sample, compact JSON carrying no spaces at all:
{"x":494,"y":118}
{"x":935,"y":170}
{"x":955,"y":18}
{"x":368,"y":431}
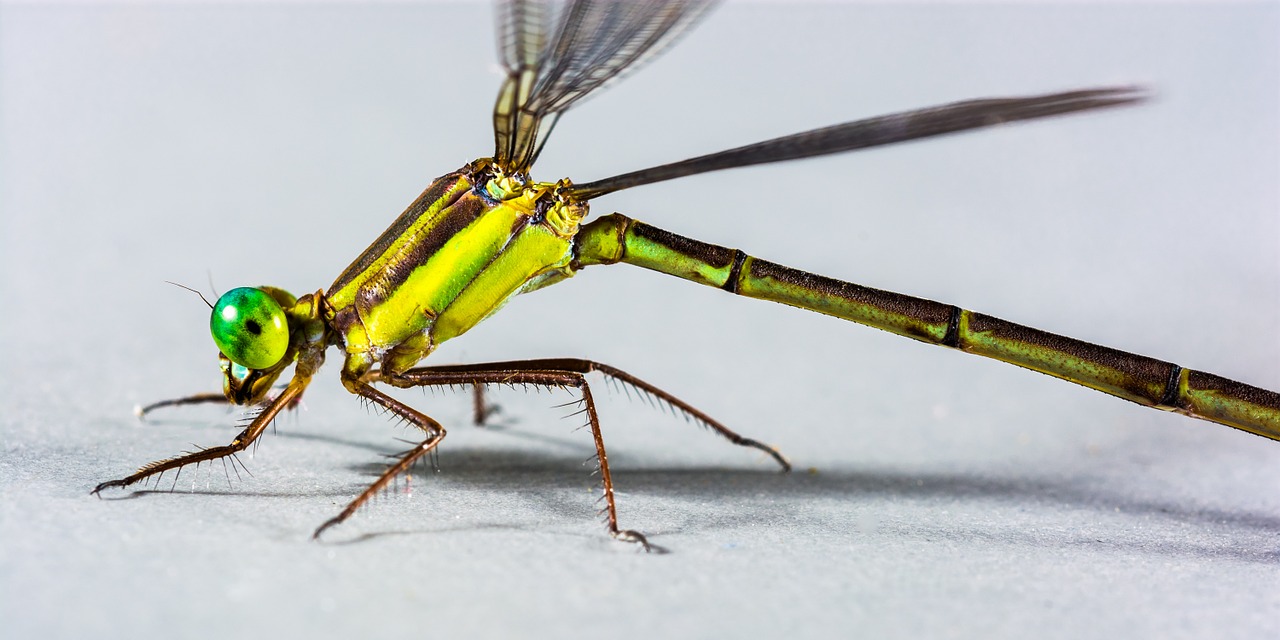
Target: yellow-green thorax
{"x":472,"y":240}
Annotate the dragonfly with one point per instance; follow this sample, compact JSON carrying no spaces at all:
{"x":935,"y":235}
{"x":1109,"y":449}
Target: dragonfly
{"x":488,"y":231}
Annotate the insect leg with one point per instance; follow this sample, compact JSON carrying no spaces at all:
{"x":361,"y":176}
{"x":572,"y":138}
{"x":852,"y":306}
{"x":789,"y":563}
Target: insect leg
{"x":198,"y":398}
{"x":560,"y":373}
{"x":435,"y":433}
{"x":481,"y":409}
{"x":242,"y":441}
{"x":426,"y":376}
{"x":467,"y":372}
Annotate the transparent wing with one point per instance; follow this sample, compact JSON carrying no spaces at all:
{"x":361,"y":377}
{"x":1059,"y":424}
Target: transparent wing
{"x":875,"y":132}
{"x":556,"y":54}
{"x":522,"y":33}
{"x":596,"y":41}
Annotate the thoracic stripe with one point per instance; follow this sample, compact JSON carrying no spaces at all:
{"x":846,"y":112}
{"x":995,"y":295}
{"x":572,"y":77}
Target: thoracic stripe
{"x":439,"y":195}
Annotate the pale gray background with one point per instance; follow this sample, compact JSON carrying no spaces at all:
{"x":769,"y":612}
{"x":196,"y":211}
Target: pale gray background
{"x":936,"y":494}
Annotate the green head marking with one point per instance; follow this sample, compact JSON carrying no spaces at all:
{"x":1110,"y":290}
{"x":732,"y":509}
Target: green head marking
{"x":250,"y":328}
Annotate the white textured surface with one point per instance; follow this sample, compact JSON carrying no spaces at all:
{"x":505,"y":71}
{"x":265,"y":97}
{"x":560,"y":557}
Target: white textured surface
{"x":949,"y":496}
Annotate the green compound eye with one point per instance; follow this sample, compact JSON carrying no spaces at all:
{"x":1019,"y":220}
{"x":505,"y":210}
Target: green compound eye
{"x":249,"y":327}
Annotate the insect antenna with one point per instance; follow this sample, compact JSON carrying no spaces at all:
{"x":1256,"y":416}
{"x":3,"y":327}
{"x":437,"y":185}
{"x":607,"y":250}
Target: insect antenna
{"x":183,"y":286}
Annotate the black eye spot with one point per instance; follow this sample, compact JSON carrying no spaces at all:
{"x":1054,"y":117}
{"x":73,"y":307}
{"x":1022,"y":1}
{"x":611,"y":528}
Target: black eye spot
{"x":253,"y":327}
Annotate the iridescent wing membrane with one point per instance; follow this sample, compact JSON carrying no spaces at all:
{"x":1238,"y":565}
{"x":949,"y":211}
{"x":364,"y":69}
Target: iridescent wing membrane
{"x":556,"y":54}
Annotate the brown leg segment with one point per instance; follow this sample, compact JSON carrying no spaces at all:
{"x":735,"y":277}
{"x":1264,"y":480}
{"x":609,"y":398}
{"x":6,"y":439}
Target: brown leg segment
{"x":569,"y":372}
{"x":536,"y":376}
{"x":467,"y":374}
{"x":199,"y":398}
{"x":435,"y":433}
{"x":240,"y":443}
{"x":481,"y":410}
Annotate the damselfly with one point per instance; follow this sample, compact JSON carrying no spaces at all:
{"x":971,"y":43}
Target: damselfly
{"x":488,"y":231}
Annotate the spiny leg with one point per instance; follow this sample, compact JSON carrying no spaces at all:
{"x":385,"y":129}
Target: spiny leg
{"x":435,"y":433}
{"x":428,"y":376}
{"x":198,"y":398}
{"x":464,"y":375}
{"x":240,"y":443}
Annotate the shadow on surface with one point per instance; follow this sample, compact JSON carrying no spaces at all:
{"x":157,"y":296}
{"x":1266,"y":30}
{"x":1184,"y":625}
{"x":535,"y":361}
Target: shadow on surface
{"x":763,"y":497}
{"x":749,"y":499}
